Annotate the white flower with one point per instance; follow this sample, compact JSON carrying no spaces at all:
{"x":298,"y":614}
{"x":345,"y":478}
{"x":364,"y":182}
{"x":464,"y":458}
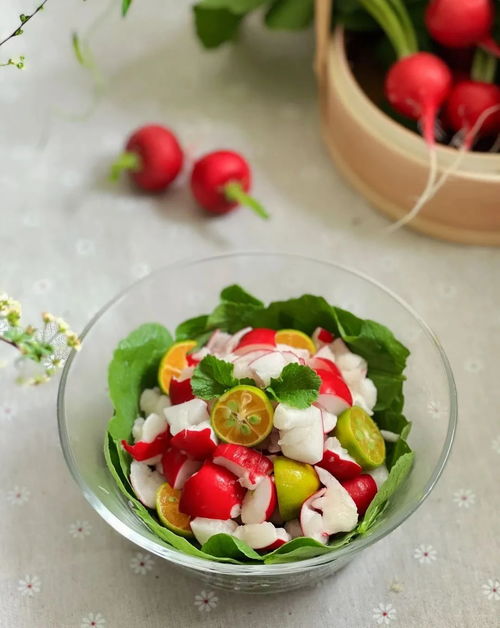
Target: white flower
{"x":7,"y":411}
{"x":464,"y":497}
{"x":29,"y":585}
{"x":492,"y":589}
{"x":140,"y":270}
{"x":85,"y":247}
{"x":473,"y":365}
{"x":425,"y":554}
{"x":384,"y":613}
{"x":496,"y":445}
{"x":42,"y":286}
{"x":18,"y":496}
{"x":80,"y":529}
{"x":141,"y":563}
{"x":206,"y":601}
{"x":434,"y":409}
{"x":93,"y":620}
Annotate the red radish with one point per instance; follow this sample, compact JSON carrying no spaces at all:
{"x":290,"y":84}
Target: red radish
{"x":362,"y":489}
{"x":333,"y":385}
{"x":458,"y":24}
{"x":417,"y":86}
{"x":329,"y":420}
{"x":177,"y":467}
{"x":191,"y":359}
{"x":318,"y":362}
{"x":212,"y":492}
{"x":220,"y":182}
{"x":282,"y":537}
{"x":262,"y":536}
{"x":204,"y":528}
{"x":337,"y":461}
{"x":259,"y":505}
{"x":199,"y":441}
{"x":258,"y":336}
{"x":153,"y":158}
{"x":142,"y":451}
{"x":322,"y":336}
{"x":145,"y":483}
{"x":474,"y":104}
{"x":248,"y":465}
{"x":184,"y":415}
{"x":180,"y":390}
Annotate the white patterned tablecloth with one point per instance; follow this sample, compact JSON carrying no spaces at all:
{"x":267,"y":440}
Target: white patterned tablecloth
{"x":69,"y":242}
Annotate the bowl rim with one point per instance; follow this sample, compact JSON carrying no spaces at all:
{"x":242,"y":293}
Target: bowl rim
{"x":205,"y":565}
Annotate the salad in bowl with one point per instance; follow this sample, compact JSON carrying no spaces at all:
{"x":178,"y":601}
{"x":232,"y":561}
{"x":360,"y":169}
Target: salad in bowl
{"x":259,"y":433}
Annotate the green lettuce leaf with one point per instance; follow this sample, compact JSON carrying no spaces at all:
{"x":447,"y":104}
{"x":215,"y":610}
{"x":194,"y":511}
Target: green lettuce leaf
{"x":226,"y":546}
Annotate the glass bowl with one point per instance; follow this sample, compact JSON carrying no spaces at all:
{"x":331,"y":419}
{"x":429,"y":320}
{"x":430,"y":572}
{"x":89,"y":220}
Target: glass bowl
{"x":189,"y":288}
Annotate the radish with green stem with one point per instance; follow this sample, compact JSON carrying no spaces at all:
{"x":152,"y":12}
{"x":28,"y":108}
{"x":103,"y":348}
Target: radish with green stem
{"x":220,"y":181}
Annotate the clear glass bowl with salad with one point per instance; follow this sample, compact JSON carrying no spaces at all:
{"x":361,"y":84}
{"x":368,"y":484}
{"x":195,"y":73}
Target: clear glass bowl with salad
{"x":257,"y":419}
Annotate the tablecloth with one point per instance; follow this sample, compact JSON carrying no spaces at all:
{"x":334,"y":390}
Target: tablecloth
{"x":69,"y":241}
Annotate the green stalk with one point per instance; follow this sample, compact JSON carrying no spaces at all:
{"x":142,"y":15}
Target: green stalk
{"x":389,"y":21}
{"x":406,"y":23}
{"x":484,"y":66}
{"x":125,"y":161}
{"x":234,"y":192}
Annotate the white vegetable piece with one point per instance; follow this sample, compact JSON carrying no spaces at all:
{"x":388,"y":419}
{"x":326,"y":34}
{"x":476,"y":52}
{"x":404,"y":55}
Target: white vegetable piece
{"x":301,"y":433}
{"x":326,"y":353}
{"x":217,"y":342}
{"x":260,"y":535}
{"x":380,"y":475}
{"x":204,"y":528}
{"x":234,"y":341}
{"x":145,"y":482}
{"x":152,"y":401}
{"x":339,"y":347}
{"x":329,"y":421}
{"x":340,"y":513}
{"x":241,"y":363}
{"x":301,"y":354}
{"x":152,"y":427}
{"x":137,"y":428}
{"x":268,"y":366}
{"x":183,"y":415}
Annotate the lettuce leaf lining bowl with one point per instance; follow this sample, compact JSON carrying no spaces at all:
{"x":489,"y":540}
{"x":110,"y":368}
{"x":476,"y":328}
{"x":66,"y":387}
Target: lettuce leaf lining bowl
{"x":187,"y":290}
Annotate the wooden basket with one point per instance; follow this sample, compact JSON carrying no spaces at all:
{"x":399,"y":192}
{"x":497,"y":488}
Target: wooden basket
{"x":389,"y":164}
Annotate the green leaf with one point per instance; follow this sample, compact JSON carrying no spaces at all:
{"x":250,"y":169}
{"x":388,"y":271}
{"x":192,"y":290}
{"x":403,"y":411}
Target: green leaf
{"x":235,"y":6}
{"x":397,"y":476}
{"x":297,"y":386}
{"x":290,"y":14}
{"x":226,"y":546}
{"x":215,"y":26}
{"x":125,"y":6}
{"x":236,"y":294}
{"x":134,"y":367}
{"x":302,"y":548}
{"x":212,"y":378}
{"x":232,"y":317}
{"x":77,"y":49}
{"x":192,"y":328}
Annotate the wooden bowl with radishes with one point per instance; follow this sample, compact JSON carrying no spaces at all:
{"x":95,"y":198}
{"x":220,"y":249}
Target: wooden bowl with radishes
{"x":391,"y":164}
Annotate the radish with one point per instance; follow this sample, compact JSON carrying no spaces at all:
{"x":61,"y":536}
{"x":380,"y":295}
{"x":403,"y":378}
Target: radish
{"x":248,"y":465}
{"x":145,"y":483}
{"x":198,"y":441}
{"x":258,"y":336}
{"x":152,"y":157}
{"x":362,"y":490}
{"x":184,"y":415}
{"x":204,"y":528}
{"x":258,"y":505}
{"x":180,"y":390}
{"x":220,"y":182}
{"x":177,"y":467}
{"x":459,"y":24}
{"x":153,"y":402}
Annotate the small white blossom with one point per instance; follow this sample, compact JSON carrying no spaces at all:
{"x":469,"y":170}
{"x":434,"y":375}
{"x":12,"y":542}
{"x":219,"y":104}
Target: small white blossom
{"x":18,"y":496}
{"x":206,"y":601}
{"x":464,"y":498}
{"x":29,"y":585}
{"x":492,"y":589}
{"x":384,"y":613}
{"x":425,"y":554}
{"x":80,"y":529}
{"x":93,"y":620}
{"x":141,"y":563}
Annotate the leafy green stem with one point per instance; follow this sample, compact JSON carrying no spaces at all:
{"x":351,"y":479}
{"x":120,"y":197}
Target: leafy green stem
{"x":484,"y":66}
{"x":235,"y":192}
{"x":24,"y":19}
{"x":400,"y":32}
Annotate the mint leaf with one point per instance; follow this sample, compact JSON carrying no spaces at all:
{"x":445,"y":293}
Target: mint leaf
{"x":297,"y":386}
{"x":236,"y":294}
{"x":290,"y":14}
{"x":397,"y":476}
{"x":215,"y":26}
{"x":212,"y":378}
{"x":134,"y":367}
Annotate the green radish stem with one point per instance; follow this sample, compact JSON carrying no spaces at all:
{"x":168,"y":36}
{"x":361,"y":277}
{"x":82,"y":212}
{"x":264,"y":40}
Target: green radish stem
{"x":126,"y":161}
{"x":484,"y":66}
{"x":234,"y":192}
{"x":406,"y":23}
{"x":395,"y":22}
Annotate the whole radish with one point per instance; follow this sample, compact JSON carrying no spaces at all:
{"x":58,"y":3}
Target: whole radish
{"x":152,"y":157}
{"x":220,"y":181}
{"x":417,"y":86}
{"x":462,"y":23}
{"x":473,"y":107}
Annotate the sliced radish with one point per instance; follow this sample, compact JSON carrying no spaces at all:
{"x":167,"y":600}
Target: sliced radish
{"x":257,"y":535}
{"x":212,"y":492}
{"x":287,"y":350}
{"x":153,"y":402}
{"x":285,"y":417}
{"x":311,"y":520}
{"x":322,"y":337}
{"x":218,"y":342}
{"x":241,"y":363}
{"x":268,"y":366}
{"x":178,"y":467}
{"x":180,"y":390}
{"x":259,"y":335}
{"x":380,"y":475}
{"x":333,"y":385}
{"x":294,"y":528}
{"x":154,"y":440}
{"x":362,"y":490}
{"x":194,"y":358}
{"x":204,"y":528}
{"x":145,"y":483}
{"x":241,"y":351}
{"x":248,"y":465}
{"x":153,"y":426}
{"x":301,"y":432}
{"x":339,"y":347}
{"x":282,"y":537}
{"x":325,"y":353}
{"x":199,"y":441}
{"x":258,"y":505}
{"x":337,"y":461}
{"x":333,"y":404}
{"x":235,"y":339}
{"x":186,"y":414}
{"x":329,"y":421}
{"x":338,"y":509}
